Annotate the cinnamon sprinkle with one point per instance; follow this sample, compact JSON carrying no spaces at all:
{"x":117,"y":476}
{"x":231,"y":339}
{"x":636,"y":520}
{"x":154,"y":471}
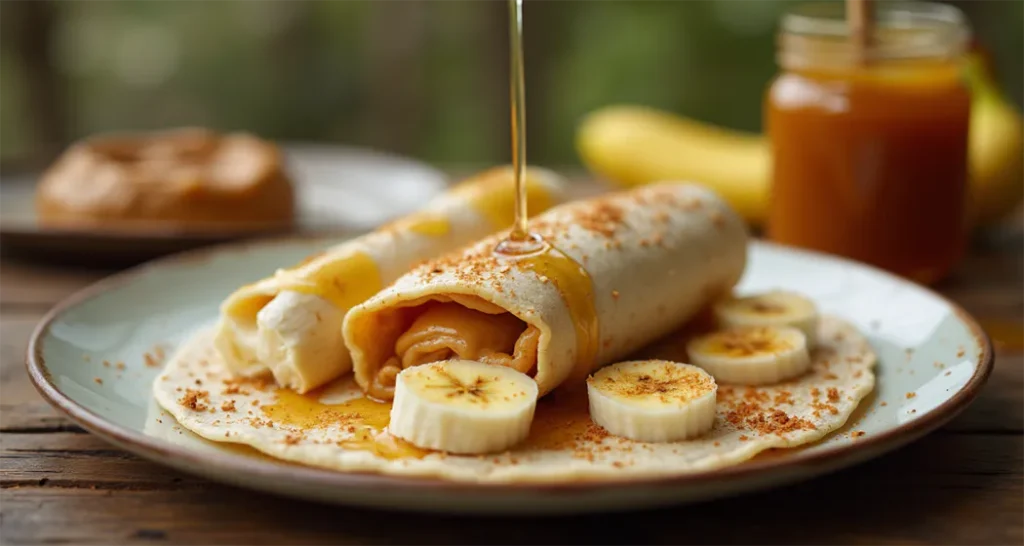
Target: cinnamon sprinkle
{"x":233,"y":389}
{"x":818,"y":407}
{"x":783,"y":397}
{"x":235,"y":385}
{"x":756,"y":395}
{"x":195,"y":399}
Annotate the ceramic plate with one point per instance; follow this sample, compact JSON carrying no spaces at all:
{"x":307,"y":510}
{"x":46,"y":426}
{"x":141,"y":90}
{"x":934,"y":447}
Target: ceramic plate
{"x":340,"y":190}
{"x":926,"y":346}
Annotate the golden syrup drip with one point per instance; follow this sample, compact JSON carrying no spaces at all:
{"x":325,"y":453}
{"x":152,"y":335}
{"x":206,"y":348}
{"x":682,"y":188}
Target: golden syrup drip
{"x":424,"y":223}
{"x":533,"y":244}
{"x":1006,"y":335}
{"x":305,"y":411}
{"x":369,"y":418}
{"x":517,"y":96}
{"x":577,"y":290}
{"x":244,"y":309}
{"x":346,"y":280}
{"x":561,"y":419}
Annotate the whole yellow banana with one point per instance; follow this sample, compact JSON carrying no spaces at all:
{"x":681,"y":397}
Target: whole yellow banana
{"x":632,"y":145}
{"x":995,"y":148}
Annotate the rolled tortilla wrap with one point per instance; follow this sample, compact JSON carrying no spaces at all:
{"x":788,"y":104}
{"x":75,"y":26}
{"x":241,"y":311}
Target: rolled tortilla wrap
{"x":622,"y":270}
{"x":290,"y":323}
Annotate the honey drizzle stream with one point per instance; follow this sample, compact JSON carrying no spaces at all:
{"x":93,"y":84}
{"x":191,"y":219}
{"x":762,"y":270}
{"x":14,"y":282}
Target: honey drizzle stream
{"x":517,"y":96}
{"x":519,"y":241}
{"x":571,"y":279}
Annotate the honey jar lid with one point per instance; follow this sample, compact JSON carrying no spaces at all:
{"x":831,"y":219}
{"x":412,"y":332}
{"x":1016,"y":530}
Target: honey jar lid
{"x":818,"y":33}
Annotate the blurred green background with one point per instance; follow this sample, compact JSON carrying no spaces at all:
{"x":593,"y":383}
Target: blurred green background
{"x":423,"y":78}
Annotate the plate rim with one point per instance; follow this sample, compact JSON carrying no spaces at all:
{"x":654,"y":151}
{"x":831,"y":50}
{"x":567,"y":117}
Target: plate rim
{"x":130,"y":231}
{"x":220,"y":466}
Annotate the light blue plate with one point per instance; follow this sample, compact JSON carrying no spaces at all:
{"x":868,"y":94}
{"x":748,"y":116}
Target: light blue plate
{"x":926,"y":346}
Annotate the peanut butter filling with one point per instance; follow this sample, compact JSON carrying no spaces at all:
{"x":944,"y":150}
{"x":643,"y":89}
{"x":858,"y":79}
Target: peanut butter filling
{"x":447,"y":330}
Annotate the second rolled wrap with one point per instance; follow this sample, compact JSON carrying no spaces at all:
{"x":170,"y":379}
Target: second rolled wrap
{"x":617,"y":272}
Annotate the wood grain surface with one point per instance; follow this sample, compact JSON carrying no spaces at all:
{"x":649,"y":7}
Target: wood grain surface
{"x":963,"y":484}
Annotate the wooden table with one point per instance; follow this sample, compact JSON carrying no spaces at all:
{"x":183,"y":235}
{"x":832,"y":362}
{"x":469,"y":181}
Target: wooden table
{"x":960,"y":485}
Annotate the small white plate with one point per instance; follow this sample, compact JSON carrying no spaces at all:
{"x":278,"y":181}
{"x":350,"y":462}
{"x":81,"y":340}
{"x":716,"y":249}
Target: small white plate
{"x":926,"y":345}
{"x":340,"y":190}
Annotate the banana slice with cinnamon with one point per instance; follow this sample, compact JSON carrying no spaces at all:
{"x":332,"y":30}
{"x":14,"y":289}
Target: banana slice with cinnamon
{"x":463,"y":406}
{"x":653,"y":400}
{"x":752,"y":355}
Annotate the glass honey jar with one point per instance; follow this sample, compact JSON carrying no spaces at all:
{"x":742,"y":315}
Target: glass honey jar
{"x":869,"y":138}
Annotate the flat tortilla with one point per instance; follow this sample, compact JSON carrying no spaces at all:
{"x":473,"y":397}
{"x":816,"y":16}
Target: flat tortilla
{"x":329,"y":428}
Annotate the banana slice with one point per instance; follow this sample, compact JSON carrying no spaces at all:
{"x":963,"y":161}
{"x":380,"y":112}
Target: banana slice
{"x":777,"y":308}
{"x":653,"y":400}
{"x":463,"y":406}
{"x":299,"y":340}
{"x":752,"y":355}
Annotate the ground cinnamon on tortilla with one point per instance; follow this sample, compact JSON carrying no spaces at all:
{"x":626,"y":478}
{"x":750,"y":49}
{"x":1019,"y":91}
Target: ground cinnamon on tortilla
{"x":194,"y":399}
{"x":235,"y":385}
{"x":784,"y":397}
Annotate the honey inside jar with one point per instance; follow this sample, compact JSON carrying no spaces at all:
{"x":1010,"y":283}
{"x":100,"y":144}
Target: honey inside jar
{"x":870,"y":143}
